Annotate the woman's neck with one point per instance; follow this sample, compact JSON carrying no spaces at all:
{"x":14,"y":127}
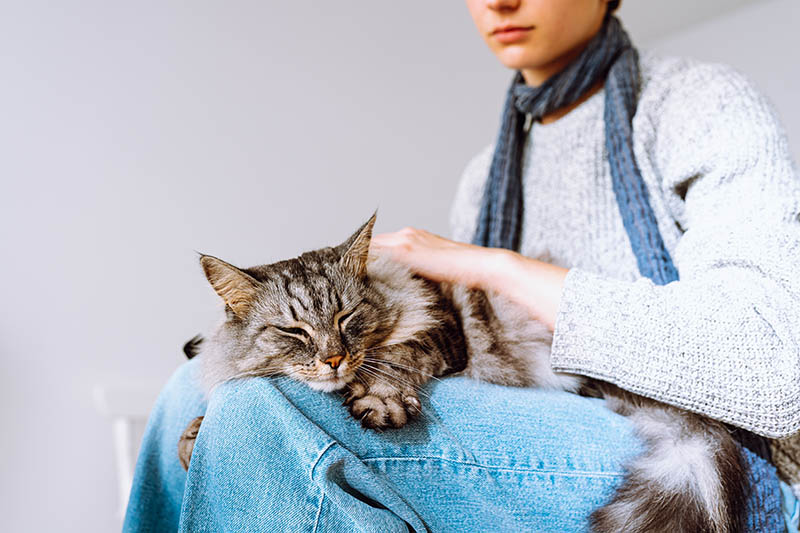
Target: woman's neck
{"x":561,"y":111}
{"x":537,"y":76}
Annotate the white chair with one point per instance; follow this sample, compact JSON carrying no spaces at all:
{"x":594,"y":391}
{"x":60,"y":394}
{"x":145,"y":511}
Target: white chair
{"x":127,"y":406}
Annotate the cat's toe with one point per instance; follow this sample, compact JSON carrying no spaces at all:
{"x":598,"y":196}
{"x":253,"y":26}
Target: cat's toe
{"x":373,"y":420}
{"x":412,"y":405}
{"x":370,"y":410}
{"x":354,"y":391}
{"x":396,"y":411}
{"x":379,"y":413}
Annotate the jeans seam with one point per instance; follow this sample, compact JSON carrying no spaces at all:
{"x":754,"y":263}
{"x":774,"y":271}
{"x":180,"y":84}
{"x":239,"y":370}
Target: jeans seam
{"x":321,"y":453}
{"x":572,"y":473}
{"x":316,"y":462}
{"x":319,"y":512}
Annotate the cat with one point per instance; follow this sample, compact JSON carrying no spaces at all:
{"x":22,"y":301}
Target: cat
{"x":342,"y":319}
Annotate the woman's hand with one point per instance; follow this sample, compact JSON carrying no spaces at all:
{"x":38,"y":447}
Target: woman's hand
{"x":435,"y":257}
{"x":531,"y":283}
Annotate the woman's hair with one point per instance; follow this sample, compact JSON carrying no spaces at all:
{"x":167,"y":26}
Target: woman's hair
{"x":613,"y":5}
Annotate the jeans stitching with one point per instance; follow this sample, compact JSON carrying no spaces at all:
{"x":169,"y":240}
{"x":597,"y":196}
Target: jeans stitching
{"x":319,"y":512}
{"x":322,"y":452}
{"x":573,"y":473}
{"x":316,"y":462}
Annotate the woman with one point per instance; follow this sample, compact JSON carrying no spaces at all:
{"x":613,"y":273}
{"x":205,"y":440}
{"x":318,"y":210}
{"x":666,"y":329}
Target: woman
{"x":589,"y":257}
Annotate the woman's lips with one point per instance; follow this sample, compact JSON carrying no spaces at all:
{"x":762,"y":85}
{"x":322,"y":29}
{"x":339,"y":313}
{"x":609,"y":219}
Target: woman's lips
{"x":511,"y":34}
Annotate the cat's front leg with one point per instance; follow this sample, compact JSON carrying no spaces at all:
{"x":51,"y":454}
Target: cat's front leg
{"x":382,"y":402}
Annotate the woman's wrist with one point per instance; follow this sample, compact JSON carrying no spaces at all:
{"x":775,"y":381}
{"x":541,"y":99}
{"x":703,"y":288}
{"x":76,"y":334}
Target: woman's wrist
{"x":532,"y":284}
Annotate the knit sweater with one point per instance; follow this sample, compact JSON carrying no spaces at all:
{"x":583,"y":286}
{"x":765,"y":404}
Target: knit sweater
{"x":724,"y":340}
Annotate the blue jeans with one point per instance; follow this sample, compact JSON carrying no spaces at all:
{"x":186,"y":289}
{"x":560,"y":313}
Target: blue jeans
{"x":275,"y":455}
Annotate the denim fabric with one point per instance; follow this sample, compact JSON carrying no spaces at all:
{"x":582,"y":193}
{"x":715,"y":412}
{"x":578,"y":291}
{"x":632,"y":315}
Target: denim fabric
{"x":275,"y":455}
{"x":159,"y":479}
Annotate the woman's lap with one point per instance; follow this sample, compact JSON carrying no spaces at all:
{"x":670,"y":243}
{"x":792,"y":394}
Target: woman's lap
{"x":273,"y":454}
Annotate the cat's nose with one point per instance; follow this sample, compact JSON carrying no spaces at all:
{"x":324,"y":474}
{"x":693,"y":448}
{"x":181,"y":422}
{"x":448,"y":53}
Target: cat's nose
{"x":334,"y":360}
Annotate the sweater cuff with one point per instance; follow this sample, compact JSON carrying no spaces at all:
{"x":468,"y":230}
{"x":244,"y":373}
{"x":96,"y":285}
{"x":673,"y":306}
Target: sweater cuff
{"x":586,"y":337}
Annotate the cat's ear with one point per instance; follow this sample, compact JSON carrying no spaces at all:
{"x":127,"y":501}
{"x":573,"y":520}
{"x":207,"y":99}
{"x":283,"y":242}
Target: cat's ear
{"x":356,"y":248}
{"x":236,"y":288}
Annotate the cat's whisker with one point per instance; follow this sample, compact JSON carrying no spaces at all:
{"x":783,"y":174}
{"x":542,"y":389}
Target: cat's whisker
{"x":382,"y":347}
{"x":383,"y":381}
{"x":294,"y":374}
{"x":383,"y":374}
{"x":259,"y":373}
{"x":389,"y":374}
{"x":399,"y":365}
{"x":394,"y":363}
{"x":395,"y":376}
{"x":370,"y":371}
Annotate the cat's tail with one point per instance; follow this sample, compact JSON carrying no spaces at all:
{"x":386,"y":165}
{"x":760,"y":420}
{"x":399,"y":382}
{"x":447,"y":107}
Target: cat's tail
{"x":192,"y":346}
{"x":690,"y":478}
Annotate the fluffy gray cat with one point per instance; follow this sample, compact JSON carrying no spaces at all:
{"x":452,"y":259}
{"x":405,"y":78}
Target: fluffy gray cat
{"x":341,"y":320}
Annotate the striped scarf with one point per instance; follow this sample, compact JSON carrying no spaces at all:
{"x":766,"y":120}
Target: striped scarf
{"x":610,"y":55}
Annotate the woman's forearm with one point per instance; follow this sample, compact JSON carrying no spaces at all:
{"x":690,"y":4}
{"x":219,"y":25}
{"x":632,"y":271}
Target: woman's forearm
{"x":533,"y":284}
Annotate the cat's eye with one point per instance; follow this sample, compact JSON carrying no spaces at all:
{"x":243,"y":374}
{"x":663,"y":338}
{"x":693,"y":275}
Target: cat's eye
{"x":343,"y":319}
{"x":294,"y":332}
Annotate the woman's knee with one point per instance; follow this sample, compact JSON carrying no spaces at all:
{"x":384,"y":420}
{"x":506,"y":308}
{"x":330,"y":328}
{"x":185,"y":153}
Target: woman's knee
{"x":255,"y":419}
{"x":184,"y":385}
{"x":179,"y":402}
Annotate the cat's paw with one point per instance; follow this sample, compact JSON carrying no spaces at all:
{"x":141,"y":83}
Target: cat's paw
{"x":186,"y":442}
{"x":376,"y":409}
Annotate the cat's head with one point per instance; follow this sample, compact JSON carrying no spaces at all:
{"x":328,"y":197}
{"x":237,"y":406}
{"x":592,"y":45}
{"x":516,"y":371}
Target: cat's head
{"x":312,"y":318}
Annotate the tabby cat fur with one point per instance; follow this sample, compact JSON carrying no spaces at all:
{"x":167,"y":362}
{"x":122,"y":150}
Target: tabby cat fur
{"x":340,"y":319}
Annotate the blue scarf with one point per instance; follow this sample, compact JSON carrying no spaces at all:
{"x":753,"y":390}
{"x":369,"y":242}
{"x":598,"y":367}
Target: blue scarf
{"x":608,"y":55}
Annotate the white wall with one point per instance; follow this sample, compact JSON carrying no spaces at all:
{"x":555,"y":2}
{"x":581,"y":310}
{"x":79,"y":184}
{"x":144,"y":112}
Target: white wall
{"x":133,"y":134}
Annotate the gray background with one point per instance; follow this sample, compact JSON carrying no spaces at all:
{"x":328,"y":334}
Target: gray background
{"x":133,"y":134}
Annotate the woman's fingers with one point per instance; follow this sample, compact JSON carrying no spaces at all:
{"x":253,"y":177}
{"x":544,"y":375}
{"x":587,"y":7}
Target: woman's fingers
{"x":431,"y":255}
{"x":533,"y":284}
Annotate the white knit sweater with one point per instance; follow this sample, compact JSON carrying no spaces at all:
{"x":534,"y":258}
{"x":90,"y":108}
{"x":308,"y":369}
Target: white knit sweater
{"x":724,"y":340}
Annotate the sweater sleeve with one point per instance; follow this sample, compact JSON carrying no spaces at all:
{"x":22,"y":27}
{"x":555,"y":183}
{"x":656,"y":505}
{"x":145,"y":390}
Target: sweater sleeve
{"x":723,"y":340}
